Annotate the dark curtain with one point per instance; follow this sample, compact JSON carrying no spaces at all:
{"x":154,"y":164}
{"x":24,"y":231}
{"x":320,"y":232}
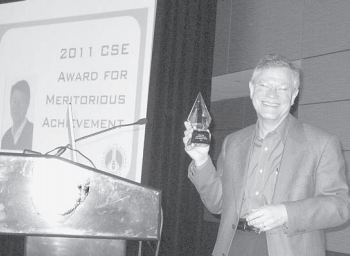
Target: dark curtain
{"x":181,"y":68}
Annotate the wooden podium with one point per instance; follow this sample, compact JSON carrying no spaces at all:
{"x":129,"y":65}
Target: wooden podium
{"x":62,"y":205}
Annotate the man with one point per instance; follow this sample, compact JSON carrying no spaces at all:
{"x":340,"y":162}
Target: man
{"x":278,"y":183}
{"x":20,"y":135}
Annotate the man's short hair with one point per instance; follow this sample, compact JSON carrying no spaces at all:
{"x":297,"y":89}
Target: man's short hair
{"x":22,"y":86}
{"x":278,"y":61}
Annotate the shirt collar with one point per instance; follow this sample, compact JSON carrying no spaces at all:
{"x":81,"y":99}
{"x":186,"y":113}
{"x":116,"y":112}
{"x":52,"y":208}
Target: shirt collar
{"x":18,"y":133}
{"x":281,"y":130}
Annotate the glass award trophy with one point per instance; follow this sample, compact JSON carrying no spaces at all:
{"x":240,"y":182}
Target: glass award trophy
{"x":200,"y":119}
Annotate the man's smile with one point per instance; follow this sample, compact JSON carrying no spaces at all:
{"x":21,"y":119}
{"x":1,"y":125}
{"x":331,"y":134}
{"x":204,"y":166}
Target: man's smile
{"x":270,"y":104}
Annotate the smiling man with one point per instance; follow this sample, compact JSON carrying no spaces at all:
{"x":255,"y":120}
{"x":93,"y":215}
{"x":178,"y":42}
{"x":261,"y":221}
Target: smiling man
{"x":277,"y":184}
{"x":20,"y":135}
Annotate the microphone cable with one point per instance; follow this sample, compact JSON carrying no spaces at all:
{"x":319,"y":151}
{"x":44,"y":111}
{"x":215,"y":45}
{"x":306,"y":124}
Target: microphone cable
{"x":63,"y":149}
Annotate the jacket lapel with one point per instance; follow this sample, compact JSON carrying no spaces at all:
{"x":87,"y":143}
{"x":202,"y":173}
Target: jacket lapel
{"x":240,"y":166}
{"x":291,"y":160}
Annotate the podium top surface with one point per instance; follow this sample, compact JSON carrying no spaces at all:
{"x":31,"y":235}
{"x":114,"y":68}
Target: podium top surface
{"x":50,"y":196}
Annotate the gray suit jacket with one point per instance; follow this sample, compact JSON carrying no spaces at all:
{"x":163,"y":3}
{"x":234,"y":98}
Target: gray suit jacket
{"x":311,"y":183}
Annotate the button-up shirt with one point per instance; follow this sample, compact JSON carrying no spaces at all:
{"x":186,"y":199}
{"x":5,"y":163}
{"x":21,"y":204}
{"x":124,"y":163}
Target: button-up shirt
{"x":263,"y":168}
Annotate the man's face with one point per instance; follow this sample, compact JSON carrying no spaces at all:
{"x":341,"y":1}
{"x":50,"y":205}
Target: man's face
{"x":273,"y":93}
{"x":19,"y":104}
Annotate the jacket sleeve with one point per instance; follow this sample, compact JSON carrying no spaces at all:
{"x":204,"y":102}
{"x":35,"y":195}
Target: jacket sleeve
{"x":330,"y":204}
{"x":207,"y":180}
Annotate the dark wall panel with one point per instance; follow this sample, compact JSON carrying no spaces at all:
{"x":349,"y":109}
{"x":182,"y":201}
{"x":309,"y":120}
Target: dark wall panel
{"x":326,"y":78}
{"x":333,"y":117}
{"x":326,"y":27}
{"x":229,"y":116}
{"x":233,"y":113}
{"x":259,"y":27}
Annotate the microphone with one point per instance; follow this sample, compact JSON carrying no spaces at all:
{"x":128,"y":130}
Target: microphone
{"x":141,"y":121}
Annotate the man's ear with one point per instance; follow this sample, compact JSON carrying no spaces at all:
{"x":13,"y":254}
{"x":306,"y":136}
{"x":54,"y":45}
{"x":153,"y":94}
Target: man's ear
{"x":251,"y":89}
{"x":294,"y":95}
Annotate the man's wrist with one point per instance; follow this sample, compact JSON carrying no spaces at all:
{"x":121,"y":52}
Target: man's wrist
{"x":201,"y":162}
{"x":195,"y":168}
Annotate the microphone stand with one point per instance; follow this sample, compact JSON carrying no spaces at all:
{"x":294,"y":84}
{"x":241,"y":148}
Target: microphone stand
{"x":141,"y":121}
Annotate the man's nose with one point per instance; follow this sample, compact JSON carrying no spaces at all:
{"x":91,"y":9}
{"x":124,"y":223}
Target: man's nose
{"x":272,"y":92}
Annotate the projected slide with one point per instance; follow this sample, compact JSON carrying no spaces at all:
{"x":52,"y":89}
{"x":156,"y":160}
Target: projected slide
{"x":98,"y":66}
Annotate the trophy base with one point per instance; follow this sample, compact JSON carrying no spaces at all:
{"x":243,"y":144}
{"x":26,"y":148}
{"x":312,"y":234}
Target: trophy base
{"x":200,"y":138}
